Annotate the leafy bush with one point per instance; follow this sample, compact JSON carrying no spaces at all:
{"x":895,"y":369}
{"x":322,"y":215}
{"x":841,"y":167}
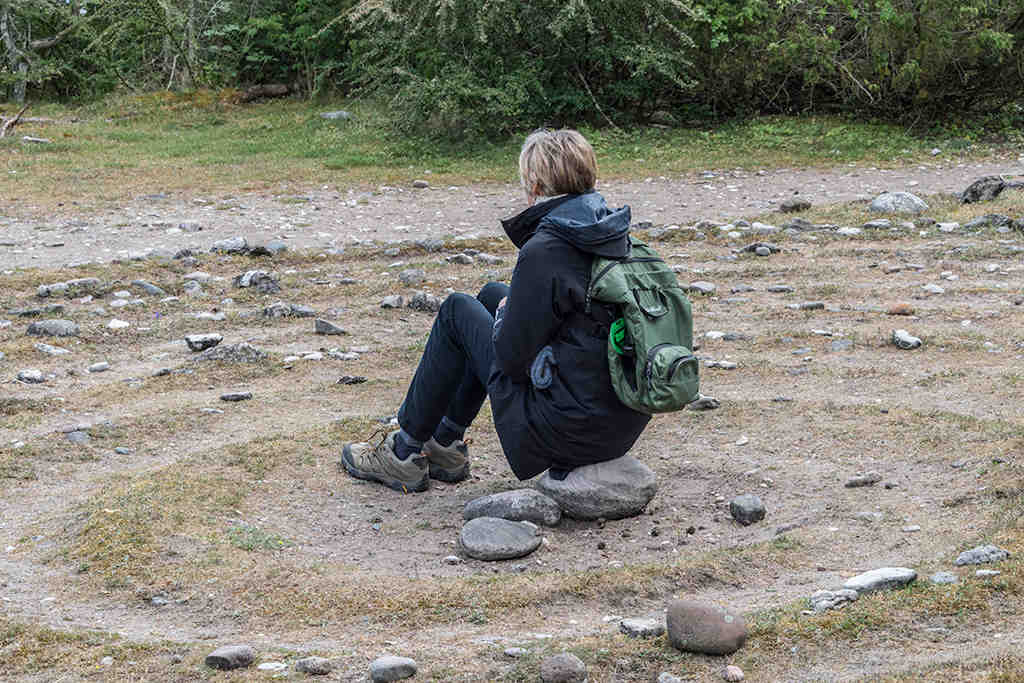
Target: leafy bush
{"x":468,"y":67}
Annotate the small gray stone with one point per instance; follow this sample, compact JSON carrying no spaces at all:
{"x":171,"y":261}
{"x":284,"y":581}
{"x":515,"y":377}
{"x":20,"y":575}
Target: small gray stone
{"x":747,"y":509}
{"x":666,"y":677}
{"x":823,"y":600}
{"x":642,"y":627}
{"x":102,"y":366}
{"x":235,"y":396}
{"x":840,"y":345}
{"x":701,"y":287}
{"x":340,"y":115}
{"x":881,"y":579}
{"x":490,"y":538}
{"x":53,"y":328}
{"x":317,"y":666}
{"x":201,"y":342}
{"x":812,"y":306}
{"x":763,"y":251}
{"x":232,"y":245}
{"x":301,"y":311}
{"x":278,"y":309}
{"x":231,"y":657}
{"x":983,"y":190}
{"x":148,"y":287}
{"x":272,"y":666}
{"x":461,"y":259}
{"x":982,"y":555}
{"x":233,"y":353}
{"x":516,"y":652}
{"x":78,"y":437}
{"x":904,"y":340}
{"x":987,"y":573}
{"x":420,"y":184}
{"x":933,"y":288}
{"x":794,"y":204}
{"x":50,"y":350}
{"x":520,"y":505}
{"x":613,"y":489}
{"x":427,"y":303}
{"x":271,"y":248}
{"x":942,"y":578}
{"x":704,"y":628}
{"x":259,"y":280}
{"x":878,"y":224}
{"x":703,"y":402}
{"x":393,"y":301}
{"x":411,"y":277}
{"x":31,"y":376}
{"x":898,"y":202}
{"x":321,"y":326}
{"x":391,"y":668}
{"x":121,"y":450}
{"x":563,"y":668}
{"x":866,"y":479}
{"x":779,"y":289}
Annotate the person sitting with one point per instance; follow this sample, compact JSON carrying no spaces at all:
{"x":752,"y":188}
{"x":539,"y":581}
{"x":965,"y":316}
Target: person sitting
{"x":530,"y":347}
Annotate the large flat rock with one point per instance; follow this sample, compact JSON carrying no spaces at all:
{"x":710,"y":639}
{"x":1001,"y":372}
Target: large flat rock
{"x":613,"y":489}
{"x":491,"y":538}
{"x":520,"y":505}
{"x":881,"y":579}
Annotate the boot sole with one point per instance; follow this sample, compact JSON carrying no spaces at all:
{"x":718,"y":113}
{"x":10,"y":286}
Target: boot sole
{"x":390,"y":482}
{"x":448,"y":476}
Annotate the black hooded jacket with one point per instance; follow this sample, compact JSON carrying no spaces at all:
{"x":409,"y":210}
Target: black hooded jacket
{"x":578,"y":419}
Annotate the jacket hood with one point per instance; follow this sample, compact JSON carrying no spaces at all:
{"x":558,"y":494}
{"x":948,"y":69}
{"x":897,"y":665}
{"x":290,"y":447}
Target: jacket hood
{"x":583,"y":220}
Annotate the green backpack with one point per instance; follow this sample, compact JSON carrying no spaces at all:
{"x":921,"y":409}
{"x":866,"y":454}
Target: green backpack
{"x":650,"y":346}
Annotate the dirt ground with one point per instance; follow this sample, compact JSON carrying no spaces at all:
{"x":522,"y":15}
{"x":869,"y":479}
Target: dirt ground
{"x":232,"y":522}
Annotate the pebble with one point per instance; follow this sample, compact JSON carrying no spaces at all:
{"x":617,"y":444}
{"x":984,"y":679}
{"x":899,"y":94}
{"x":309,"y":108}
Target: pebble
{"x":53,"y":328}
{"x":881,"y":579}
{"x":982,"y":555}
{"x":824,"y":600}
{"x":779,"y":289}
{"x":866,"y":479}
{"x":704,"y":628}
{"x":102,"y":366}
{"x":732,"y":673}
{"x":747,"y":509}
{"x":201,"y":342}
{"x":642,"y":627}
{"x":912,"y":528}
{"x":148,"y":287}
{"x":235,"y":396}
{"x":563,"y":668}
{"x":491,"y":538}
{"x":516,"y":652}
{"x":519,"y":505}
{"x":420,"y":184}
{"x":933,"y":289}
{"x":943,"y":578}
{"x":116,"y":324}
{"x":272,"y":666}
{"x":121,"y":450}
{"x":50,"y":350}
{"x":703,"y":402}
{"x":613,"y":489}
{"x":78,"y":437}
{"x":904,"y":340}
{"x":701,"y":287}
{"x":393,"y":301}
{"x":838,"y":345}
{"x":317,"y":666}
{"x":231,"y":657}
{"x":31,"y":376}
{"x":391,"y":668}
{"x":321,"y":326}
{"x":411,"y":277}
{"x":987,"y":573}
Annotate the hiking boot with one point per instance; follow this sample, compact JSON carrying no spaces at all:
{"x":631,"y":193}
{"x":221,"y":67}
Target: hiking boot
{"x":447,"y":463}
{"x":364,"y":461}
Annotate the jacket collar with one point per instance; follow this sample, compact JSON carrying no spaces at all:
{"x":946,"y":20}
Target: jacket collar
{"x":521,"y":227}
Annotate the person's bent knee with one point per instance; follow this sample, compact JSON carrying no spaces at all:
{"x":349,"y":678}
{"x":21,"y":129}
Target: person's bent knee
{"x":491,"y":294}
{"x":455,"y":304}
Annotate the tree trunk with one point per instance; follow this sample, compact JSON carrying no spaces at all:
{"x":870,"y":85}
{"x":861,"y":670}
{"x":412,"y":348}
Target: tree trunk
{"x":14,"y":54}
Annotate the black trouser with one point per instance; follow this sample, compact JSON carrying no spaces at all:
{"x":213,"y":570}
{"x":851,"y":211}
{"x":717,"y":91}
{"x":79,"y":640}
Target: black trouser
{"x":451,"y":380}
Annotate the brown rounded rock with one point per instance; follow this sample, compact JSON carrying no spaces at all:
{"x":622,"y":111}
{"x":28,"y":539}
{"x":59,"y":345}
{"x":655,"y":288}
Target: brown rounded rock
{"x":563,"y":668}
{"x":705,"y":628}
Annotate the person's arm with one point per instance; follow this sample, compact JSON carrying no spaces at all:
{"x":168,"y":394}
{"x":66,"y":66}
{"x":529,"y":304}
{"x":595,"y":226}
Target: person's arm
{"x":531,"y":315}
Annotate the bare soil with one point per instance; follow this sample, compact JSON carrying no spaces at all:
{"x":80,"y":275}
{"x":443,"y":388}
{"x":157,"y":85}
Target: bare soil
{"x":362,"y":571}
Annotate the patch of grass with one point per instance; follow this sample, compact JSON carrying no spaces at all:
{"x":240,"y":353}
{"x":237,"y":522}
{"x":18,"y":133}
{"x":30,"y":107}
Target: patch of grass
{"x":253,"y":538}
{"x":203,"y":142}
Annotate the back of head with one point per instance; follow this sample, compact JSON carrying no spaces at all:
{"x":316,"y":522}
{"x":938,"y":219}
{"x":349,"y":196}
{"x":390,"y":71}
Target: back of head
{"x":554,"y":162}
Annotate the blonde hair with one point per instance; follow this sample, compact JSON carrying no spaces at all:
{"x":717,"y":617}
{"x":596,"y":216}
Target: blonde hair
{"x":555,"y":162}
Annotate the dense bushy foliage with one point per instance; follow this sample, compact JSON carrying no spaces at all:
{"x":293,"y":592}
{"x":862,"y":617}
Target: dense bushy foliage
{"x":466,"y":67}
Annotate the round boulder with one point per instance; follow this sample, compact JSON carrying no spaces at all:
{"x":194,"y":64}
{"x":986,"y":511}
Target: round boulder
{"x":704,"y":628}
{"x":614,"y":489}
{"x":898,"y":202}
{"x":563,"y":668}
